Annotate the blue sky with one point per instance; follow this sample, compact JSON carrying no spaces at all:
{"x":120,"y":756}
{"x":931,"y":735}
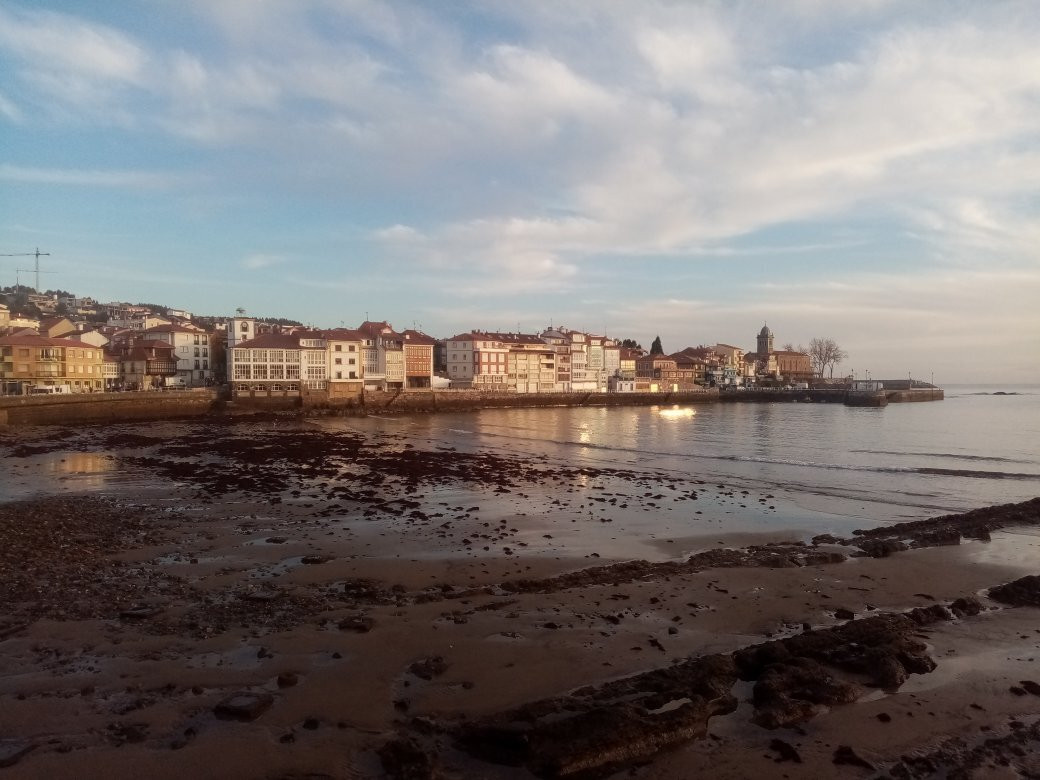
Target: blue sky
{"x":865,"y":170}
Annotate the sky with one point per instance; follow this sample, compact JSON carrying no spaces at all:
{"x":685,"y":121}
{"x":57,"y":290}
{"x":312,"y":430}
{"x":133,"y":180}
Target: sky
{"x":867,"y":171}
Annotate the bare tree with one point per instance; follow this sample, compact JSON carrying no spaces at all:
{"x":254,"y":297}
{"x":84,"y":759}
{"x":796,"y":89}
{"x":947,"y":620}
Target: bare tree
{"x":824,"y":354}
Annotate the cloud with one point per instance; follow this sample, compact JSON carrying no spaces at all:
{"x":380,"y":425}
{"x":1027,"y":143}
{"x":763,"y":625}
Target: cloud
{"x":255,"y":262}
{"x":134,"y":180}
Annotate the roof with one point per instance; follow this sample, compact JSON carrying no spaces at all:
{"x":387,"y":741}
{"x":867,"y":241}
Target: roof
{"x":172,"y":329}
{"x":418,"y":337}
{"x":24,"y":340}
{"x":343,"y":334}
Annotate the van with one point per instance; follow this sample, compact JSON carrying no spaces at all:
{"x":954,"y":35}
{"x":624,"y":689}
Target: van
{"x":48,"y":390}
{"x":175,"y":383}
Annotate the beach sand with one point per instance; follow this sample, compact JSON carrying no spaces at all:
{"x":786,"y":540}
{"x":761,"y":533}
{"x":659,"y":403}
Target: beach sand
{"x":271,"y":619}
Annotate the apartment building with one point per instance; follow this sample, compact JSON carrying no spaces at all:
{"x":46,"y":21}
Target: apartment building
{"x":279,"y":364}
{"x":31,"y":362}
{"x":418,"y":358}
{"x":345,"y":350}
{"x":191,"y":347}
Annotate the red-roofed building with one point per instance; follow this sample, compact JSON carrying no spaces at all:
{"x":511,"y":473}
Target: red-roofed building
{"x":418,"y":358}
{"x":31,"y":363}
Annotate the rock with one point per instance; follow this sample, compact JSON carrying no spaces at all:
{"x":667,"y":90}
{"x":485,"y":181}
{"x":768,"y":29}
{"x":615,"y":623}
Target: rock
{"x":845,"y":755}
{"x":359,"y":624}
{"x":428,"y":668}
{"x":966,"y":606}
{"x":244,"y":706}
{"x":315,"y":559}
{"x":12,"y":750}
{"x":139,"y":612}
{"x":288,"y":679}
{"x":792,"y":691}
{"x":1023,"y":592}
{"x":842,"y":613}
{"x":785,"y":751}
{"x":1031,"y":687}
{"x":881,"y":548}
{"x":403,"y":759}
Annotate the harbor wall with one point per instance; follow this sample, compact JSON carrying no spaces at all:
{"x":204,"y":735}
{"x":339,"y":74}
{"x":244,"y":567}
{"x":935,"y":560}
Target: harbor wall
{"x":106,"y":407}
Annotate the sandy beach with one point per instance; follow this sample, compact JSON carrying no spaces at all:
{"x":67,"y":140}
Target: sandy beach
{"x":269,"y":616}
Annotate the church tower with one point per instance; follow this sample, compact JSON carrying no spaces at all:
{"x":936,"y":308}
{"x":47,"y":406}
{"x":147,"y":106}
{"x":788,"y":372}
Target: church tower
{"x":765,"y":341}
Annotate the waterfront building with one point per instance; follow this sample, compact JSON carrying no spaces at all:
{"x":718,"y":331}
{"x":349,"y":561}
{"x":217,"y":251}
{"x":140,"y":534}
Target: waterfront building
{"x":478,"y":361}
{"x":191,"y":347}
{"x":383,"y":353}
{"x":146,"y":363}
{"x":31,"y":362}
{"x":57,"y":328}
{"x":418,"y":358}
{"x":345,"y":350}
{"x":5,"y":317}
{"x":661,"y":373}
{"x":280,"y":364}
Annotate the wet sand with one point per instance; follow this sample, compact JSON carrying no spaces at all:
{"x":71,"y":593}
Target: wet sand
{"x":341,"y":588}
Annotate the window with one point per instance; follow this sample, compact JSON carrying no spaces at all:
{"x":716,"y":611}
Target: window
{"x":338,"y":348}
{"x":351,"y":348}
{"x":353,"y":374}
{"x":196,"y":339}
{"x":196,"y":351}
{"x":276,"y":388}
{"x":351,"y":361}
{"x":259,"y":372}
{"x":242,"y":387}
{"x":205,"y":352}
{"x":339,"y":375}
{"x":292,"y":386}
{"x":205,"y":365}
{"x":244,"y":327}
{"x":292,"y":372}
{"x":339,"y":361}
{"x":197,"y":366}
{"x":259,"y":355}
{"x":241,"y":355}
{"x":277,"y":371}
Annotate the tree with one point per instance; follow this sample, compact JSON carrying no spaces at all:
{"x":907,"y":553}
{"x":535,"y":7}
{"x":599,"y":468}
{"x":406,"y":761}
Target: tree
{"x":656,"y":348}
{"x":632,"y":344}
{"x":824,"y":354}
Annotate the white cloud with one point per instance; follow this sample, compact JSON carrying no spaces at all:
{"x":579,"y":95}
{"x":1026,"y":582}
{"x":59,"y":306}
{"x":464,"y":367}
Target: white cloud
{"x":257,"y":261}
{"x":138,"y":180}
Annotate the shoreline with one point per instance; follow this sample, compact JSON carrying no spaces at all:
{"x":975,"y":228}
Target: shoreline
{"x":136,"y":623}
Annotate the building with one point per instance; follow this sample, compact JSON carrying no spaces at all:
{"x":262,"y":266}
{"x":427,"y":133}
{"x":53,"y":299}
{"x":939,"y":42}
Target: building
{"x":661,"y":373}
{"x":191,"y":347}
{"x":5,"y":317}
{"x":279,"y":364}
{"x":146,"y":364}
{"x":345,"y":367}
{"x":478,"y":360}
{"x":383,"y":353}
{"x":770,"y":365}
{"x":419,"y":351}
{"x":28,"y":362}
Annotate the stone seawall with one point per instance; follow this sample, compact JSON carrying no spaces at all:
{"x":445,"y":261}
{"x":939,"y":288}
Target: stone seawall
{"x":467,"y":400}
{"x":105,"y":407}
{"x":828,"y":395}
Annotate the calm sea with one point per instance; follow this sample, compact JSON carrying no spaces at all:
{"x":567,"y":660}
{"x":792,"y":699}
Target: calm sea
{"x":781,"y":469}
{"x":980,"y":446}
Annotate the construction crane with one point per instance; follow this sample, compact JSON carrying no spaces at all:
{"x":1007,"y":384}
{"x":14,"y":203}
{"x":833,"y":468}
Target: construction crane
{"x":37,"y":254}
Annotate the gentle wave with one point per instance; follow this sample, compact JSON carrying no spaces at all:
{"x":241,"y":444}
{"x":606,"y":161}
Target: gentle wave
{"x":925,"y":470}
{"x":990,"y":458}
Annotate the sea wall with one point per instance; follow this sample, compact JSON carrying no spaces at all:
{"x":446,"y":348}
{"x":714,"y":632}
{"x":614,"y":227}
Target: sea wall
{"x":827,"y":395}
{"x":106,"y":407}
{"x":467,"y":400}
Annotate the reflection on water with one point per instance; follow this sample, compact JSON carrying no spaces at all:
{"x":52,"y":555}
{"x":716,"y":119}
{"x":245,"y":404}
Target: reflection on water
{"x":89,"y":470}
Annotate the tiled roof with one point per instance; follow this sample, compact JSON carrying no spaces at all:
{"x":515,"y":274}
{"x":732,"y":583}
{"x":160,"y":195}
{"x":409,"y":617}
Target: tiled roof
{"x":23,"y":340}
{"x":343,"y":334}
{"x":418,"y":337}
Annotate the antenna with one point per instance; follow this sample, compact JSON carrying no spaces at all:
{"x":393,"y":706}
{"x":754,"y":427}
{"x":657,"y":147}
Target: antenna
{"x":37,"y":254}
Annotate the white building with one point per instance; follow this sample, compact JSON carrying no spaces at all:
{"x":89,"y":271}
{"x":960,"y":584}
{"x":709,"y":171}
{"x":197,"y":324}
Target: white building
{"x":191,"y":347}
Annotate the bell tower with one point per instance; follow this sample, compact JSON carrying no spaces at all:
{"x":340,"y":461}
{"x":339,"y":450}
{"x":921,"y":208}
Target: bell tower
{"x":765,"y":341}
